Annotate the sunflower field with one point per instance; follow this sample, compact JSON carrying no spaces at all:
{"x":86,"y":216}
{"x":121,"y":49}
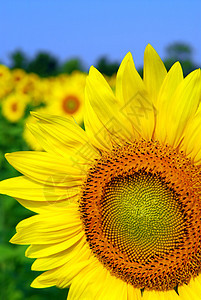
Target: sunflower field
{"x":21,"y":94}
{"x":53,"y":108}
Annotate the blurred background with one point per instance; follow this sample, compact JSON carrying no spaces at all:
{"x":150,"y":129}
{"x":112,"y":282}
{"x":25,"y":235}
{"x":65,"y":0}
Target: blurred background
{"x":46,"y":49}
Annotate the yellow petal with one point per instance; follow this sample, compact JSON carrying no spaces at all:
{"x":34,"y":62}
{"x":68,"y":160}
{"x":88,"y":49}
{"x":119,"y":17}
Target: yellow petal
{"x":57,"y":259}
{"x":107,"y":108}
{"x":24,"y":188}
{"x":88,"y":282}
{"x":67,"y":219}
{"x":32,"y":235}
{"x":38,"y":197}
{"x":182,"y":107}
{"x":173,"y":78}
{"x":128,"y":81}
{"x":44,"y":206}
{"x":192,"y":290}
{"x":45,"y":280}
{"x":160,"y":295}
{"x":114,"y":288}
{"x":48,"y":228}
{"x":38,"y":250}
{"x":154,"y":72}
{"x":133,"y":293}
{"x":191,"y":143}
{"x":97,"y":133}
{"x":62,"y":276}
{"x":47,"y":168}
{"x":135,"y":103}
{"x":62,"y":136}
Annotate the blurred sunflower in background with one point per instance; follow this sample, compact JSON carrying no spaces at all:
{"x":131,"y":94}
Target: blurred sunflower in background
{"x":67,"y":96}
{"x":6,"y":84}
{"x":30,"y":85}
{"x":118,"y":205}
{"x":13,"y":106}
{"x":18,"y":75}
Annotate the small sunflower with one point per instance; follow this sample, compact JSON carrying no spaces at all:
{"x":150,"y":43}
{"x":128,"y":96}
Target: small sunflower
{"x":6,"y":83}
{"x":67,"y":96}
{"x":118,"y":205}
{"x":30,"y":85}
{"x":13,"y":106}
{"x":18,"y":75}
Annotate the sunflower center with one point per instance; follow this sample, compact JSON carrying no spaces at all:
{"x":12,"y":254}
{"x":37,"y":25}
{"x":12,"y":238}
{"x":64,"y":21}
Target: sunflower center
{"x":70,"y":104}
{"x":14,"y":107}
{"x":140,"y":207}
{"x":141,"y":215}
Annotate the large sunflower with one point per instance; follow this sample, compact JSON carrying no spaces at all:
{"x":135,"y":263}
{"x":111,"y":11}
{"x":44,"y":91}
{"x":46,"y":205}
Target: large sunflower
{"x":118,"y":205}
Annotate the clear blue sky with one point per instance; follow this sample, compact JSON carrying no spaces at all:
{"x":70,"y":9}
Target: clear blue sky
{"x":90,"y":29}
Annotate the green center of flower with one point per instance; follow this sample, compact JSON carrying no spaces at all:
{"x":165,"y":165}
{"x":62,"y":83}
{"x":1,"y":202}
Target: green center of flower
{"x":141,"y":215}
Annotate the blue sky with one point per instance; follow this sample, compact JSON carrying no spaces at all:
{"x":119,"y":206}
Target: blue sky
{"x":90,"y":29}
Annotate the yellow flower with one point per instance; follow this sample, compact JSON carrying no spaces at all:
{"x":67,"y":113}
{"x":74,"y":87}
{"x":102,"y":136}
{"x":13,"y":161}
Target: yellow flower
{"x":6,"y":84}
{"x":18,"y":75}
{"x":67,"y":96}
{"x":30,"y":85}
{"x":13,"y":106}
{"x":118,"y":205}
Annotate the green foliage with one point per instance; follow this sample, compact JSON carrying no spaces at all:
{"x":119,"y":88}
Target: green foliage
{"x":72,"y":65}
{"x":106,"y":67}
{"x":44,"y":65}
{"x":183,"y":53}
{"x":18,"y":60}
{"x":179,"y":51}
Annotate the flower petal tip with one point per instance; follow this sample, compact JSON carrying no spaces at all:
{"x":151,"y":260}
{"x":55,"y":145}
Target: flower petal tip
{"x":13,"y":240}
{"x":92,"y":70}
{"x":35,"y":284}
{"x":8,"y":155}
{"x":149,"y":47}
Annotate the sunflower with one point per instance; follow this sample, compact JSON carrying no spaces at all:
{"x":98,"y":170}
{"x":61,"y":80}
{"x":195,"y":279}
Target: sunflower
{"x":6,"y":84}
{"x":30,"y":85}
{"x":67,"y":96}
{"x":18,"y":75}
{"x":13,"y":106}
{"x":118,"y":205}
